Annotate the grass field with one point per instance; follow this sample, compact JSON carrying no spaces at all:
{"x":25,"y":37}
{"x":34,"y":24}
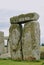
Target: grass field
{"x":42,"y":48}
{"x":12,"y":62}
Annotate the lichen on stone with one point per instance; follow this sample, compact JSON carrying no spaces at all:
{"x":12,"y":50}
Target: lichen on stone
{"x":24,"y":17}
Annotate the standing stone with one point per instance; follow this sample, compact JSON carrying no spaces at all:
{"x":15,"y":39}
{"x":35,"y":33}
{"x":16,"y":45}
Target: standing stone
{"x":14,"y":40}
{"x":1,"y":42}
{"x":25,"y":42}
{"x":31,"y":41}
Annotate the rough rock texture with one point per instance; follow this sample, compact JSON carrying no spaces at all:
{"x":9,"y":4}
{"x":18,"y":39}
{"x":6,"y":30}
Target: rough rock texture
{"x":31,"y":41}
{"x":24,"y":18}
{"x":14,"y":40}
{"x":25,"y":42}
{"x":1,"y":42}
{"x":5,"y":56}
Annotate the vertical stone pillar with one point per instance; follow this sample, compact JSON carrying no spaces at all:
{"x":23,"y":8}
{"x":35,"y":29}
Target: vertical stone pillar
{"x":1,"y":42}
{"x":25,"y":42}
{"x":31,"y":41}
{"x":14,"y":40}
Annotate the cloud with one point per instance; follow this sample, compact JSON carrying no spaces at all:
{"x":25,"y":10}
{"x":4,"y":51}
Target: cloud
{"x":21,"y":4}
{"x":6,"y":14}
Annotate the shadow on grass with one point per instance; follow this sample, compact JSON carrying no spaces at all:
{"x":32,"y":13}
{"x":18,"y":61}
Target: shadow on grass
{"x":43,"y":63}
{"x":23,"y":60}
{"x":26,"y":61}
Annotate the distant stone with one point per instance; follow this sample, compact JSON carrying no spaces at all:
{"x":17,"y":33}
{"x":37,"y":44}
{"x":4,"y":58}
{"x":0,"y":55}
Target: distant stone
{"x":1,"y":42}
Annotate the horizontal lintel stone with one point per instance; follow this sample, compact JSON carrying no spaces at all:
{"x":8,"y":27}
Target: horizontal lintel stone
{"x":23,"y":18}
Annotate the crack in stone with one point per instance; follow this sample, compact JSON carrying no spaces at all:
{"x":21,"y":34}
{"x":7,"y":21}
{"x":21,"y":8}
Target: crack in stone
{"x":25,"y":51}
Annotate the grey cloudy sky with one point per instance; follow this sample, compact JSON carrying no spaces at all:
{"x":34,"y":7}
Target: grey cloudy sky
{"x":10,"y":8}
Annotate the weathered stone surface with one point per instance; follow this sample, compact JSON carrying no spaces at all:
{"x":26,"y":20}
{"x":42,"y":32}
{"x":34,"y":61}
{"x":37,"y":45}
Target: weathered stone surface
{"x":5,"y":56}
{"x":31,"y":41}
{"x":25,"y":42}
{"x":24,"y":18}
{"x":1,"y":42}
{"x":14,"y":40}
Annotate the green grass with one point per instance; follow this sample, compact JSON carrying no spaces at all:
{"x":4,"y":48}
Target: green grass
{"x":12,"y":62}
{"x":42,"y":48}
